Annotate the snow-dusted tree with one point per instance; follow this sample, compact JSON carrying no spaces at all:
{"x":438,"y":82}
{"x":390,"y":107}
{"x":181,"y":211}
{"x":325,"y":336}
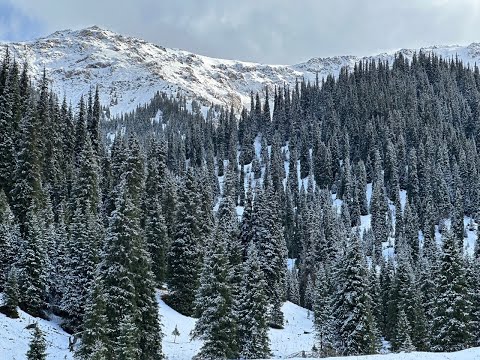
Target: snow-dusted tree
{"x":38,"y":345}
{"x":27,"y":188}
{"x":356,"y":327}
{"x":451,"y":326}
{"x":33,"y":267}
{"x":403,"y":329}
{"x":125,"y":295}
{"x":213,"y":302}
{"x":269,"y":240}
{"x":251,"y":310}
{"x":324,"y":321}
{"x":9,"y":238}
{"x":11,"y":294}
{"x":156,"y":234}
{"x":227,"y":230}
{"x":379,"y":209}
{"x":175,"y":333}
{"x":184,"y":256}
{"x":94,"y":335}
{"x":293,"y":291}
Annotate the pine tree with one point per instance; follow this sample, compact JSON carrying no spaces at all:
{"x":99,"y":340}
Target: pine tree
{"x":213,"y":303}
{"x":38,"y":346}
{"x":125,"y":283}
{"x":251,"y":310}
{"x":269,"y":240}
{"x":11,"y":294}
{"x":403,"y":340}
{"x":9,"y":239}
{"x":379,"y":209}
{"x":95,"y":333}
{"x":451,"y":327}
{"x":184,"y":261}
{"x":356,"y":327}
{"x":323,"y":312}
{"x":156,"y":234}
{"x":33,"y":267}
{"x":293,"y":291}
{"x":27,"y":189}
{"x":175,"y":333}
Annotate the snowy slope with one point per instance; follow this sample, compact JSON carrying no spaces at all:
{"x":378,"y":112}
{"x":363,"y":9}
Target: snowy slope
{"x":129,"y":70}
{"x":15,"y":338}
{"x":470,"y":354}
{"x":297,"y":336}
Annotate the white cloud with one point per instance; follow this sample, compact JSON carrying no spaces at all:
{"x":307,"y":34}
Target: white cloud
{"x":274,"y":31}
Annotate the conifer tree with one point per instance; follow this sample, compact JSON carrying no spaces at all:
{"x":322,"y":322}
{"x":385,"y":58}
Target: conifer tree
{"x":268,"y":238}
{"x":323,"y":312}
{"x":184,"y":260}
{"x":403,"y":340}
{"x":94,"y":336}
{"x":125,"y":283}
{"x":379,"y":208}
{"x":451,"y":327}
{"x":11,"y":294}
{"x":251,"y":310}
{"x":9,"y":239}
{"x":213,"y":303}
{"x":33,"y":267}
{"x":356,"y":327}
{"x":38,"y":346}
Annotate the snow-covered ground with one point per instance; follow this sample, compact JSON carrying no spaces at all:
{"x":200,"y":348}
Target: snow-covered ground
{"x":470,"y":354}
{"x":15,"y":338}
{"x":297,"y":336}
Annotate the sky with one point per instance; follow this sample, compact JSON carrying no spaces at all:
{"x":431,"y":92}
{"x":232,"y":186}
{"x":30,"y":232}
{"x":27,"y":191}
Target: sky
{"x":267,"y":31}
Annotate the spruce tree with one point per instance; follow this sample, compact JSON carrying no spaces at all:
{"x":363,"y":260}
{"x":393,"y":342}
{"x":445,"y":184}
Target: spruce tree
{"x":184,"y":260}
{"x":324,"y":321}
{"x":213,"y":303}
{"x":355,"y":324}
{"x":451,"y":327}
{"x":33,"y":267}
{"x":38,"y":346}
{"x":403,"y":340}
{"x":9,"y":239}
{"x":251,"y":310}
{"x":11,"y":294}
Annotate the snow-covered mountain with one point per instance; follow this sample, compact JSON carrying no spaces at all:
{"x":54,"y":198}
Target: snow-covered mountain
{"x":129,"y":70}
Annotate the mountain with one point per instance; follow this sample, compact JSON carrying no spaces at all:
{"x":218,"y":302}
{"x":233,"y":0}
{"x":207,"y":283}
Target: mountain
{"x":129,"y":70}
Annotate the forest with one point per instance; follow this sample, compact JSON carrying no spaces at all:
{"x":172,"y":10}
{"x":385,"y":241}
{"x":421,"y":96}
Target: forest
{"x":368,"y":183}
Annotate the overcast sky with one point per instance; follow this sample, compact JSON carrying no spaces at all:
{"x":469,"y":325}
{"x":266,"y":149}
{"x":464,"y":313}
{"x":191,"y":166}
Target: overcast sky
{"x":269,"y":31}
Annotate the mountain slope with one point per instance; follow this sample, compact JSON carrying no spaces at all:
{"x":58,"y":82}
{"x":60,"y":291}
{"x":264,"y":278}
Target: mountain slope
{"x":129,"y":70}
{"x":287,"y":343}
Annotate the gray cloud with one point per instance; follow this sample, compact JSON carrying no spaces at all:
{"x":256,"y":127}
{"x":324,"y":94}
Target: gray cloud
{"x":270,"y":31}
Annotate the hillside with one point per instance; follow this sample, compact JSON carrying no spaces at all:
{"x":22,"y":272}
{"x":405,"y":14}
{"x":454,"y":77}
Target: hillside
{"x":129,"y":70}
{"x":287,"y":343}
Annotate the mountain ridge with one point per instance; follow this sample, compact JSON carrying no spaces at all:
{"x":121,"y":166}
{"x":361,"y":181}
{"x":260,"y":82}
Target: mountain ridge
{"x":129,"y":70}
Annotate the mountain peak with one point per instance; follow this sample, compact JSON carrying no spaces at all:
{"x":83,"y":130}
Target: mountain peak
{"x":130,"y":70}
{"x":93,"y":31}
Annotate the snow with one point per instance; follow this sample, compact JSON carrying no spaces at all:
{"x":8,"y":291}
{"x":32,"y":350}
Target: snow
{"x":291,"y":263}
{"x":129,"y":71}
{"x":15,"y":338}
{"x":369,"y":193}
{"x":296,"y":337}
{"x":470,"y":354}
{"x":403,"y":198}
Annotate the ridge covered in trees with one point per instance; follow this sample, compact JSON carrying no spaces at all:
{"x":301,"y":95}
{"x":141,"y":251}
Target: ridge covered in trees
{"x":365,"y":179}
